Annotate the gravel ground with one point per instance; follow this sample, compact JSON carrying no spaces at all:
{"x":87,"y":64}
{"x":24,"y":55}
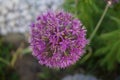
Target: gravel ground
{"x":16,"y":15}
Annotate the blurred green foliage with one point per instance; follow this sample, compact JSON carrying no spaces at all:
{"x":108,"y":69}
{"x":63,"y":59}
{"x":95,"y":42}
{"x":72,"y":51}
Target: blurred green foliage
{"x":106,"y":43}
{"x":110,"y":50}
{"x":6,"y":73}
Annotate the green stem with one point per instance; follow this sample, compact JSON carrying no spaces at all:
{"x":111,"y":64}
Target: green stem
{"x":76,"y":5}
{"x":99,"y":23}
{"x":16,"y":55}
{"x":4,"y":61}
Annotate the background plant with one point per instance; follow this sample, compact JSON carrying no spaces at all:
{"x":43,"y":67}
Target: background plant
{"x":5,"y":57}
{"x":105,"y":45}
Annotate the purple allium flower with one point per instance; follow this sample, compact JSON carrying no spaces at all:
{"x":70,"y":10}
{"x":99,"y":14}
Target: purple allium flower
{"x":57,"y":39}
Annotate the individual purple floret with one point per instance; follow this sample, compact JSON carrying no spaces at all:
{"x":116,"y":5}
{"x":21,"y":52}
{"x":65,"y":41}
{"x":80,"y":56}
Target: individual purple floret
{"x":57,"y":39}
{"x":113,"y":1}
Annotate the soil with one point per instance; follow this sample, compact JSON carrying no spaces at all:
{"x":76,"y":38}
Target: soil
{"x":27,"y":68}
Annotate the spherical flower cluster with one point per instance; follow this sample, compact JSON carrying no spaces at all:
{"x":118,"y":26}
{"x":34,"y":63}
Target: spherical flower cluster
{"x":57,"y":39}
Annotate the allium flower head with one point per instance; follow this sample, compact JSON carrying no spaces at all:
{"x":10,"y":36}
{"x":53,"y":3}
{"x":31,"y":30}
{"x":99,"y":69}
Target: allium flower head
{"x":57,"y":39}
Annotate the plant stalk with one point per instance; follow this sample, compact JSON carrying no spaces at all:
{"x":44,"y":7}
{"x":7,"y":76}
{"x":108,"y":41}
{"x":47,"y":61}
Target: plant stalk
{"x":76,"y":5}
{"x":4,"y":61}
{"x":99,"y":22}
